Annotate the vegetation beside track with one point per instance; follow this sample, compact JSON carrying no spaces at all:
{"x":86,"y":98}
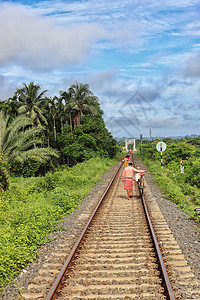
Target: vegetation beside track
{"x":32,"y":207}
{"x":38,"y":133}
{"x":182,"y":189}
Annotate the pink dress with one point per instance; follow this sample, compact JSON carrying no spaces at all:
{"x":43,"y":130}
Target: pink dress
{"x":127,"y":176}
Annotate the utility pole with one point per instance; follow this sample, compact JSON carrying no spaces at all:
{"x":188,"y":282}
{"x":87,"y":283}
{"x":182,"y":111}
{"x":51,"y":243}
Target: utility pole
{"x":141,"y":141}
{"x":150,"y":133}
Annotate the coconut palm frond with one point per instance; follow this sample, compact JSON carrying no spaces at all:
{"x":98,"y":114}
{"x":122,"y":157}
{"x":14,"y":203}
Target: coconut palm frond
{"x":82,"y":100}
{"x":16,"y":145}
{"x":37,"y":154}
{"x":31,"y":101}
{"x":14,"y":129}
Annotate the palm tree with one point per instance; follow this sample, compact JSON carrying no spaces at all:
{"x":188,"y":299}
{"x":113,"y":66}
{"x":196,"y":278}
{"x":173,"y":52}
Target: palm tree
{"x":52,"y":103}
{"x":61,"y":112}
{"x":82,"y":100}
{"x":66,"y":96}
{"x":16,"y":145}
{"x":31,"y":103}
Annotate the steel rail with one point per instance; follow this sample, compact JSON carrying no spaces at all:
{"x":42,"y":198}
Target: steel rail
{"x":52,"y":293}
{"x":168,"y":288}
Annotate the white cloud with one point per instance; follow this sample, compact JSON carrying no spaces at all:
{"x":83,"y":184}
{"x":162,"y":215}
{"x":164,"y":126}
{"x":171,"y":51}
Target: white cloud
{"x":161,"y":122}
{"x":192,"y":67}
{"x":33,"y":41}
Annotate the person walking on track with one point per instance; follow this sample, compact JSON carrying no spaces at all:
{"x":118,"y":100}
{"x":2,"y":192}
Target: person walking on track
{"x":127,"y":178}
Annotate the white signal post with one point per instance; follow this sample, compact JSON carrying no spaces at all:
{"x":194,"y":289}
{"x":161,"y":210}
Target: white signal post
{"x":161,"y":146}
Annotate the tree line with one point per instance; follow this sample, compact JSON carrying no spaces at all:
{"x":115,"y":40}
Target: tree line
{"x":38,"y":132}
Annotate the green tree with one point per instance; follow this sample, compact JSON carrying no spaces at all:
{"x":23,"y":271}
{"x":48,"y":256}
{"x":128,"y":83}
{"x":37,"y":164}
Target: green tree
{"x":89,"y":139}
{"x":10,"y":106}
{"x":82,"y":100}
{"x":69,"y":109}
{"x":61,"y":112}
{"x":31,"y":102}
{"x":16,"y":145}
{"x":52,"y":103}
{"x":95,"y":125}
{"x":66,"y":97}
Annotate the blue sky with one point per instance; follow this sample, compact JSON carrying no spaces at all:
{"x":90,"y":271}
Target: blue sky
{"x":140,"y":58}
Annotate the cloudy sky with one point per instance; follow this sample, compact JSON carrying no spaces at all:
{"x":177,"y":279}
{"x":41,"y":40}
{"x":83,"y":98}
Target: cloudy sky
{"x":140,"y":58}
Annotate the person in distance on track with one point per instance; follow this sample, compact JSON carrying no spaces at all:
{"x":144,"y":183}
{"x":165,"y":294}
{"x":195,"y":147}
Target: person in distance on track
{"x":126,"y":161}
{"x":127,"y":178}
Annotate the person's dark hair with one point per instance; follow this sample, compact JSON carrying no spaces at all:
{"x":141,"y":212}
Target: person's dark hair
{"x":130,"y":163}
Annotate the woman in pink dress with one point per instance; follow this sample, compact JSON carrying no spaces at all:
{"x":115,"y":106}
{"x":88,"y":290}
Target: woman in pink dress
{"x":127,"y":178}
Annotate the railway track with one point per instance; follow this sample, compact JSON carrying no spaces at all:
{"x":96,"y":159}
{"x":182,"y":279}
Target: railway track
{"x":116,"y":258}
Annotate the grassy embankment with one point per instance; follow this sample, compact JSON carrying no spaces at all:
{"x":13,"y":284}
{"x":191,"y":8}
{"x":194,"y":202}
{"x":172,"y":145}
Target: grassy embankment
{"x":170,"y":181}
{"x":33,"y":207}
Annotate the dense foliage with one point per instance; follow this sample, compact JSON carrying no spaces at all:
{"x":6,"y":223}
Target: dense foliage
{"x":18,"y":144}
{"x":70,"y":125}
{"x":32,"y":207}
{"x":86,"y":140}
{"x":180,"y":187}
